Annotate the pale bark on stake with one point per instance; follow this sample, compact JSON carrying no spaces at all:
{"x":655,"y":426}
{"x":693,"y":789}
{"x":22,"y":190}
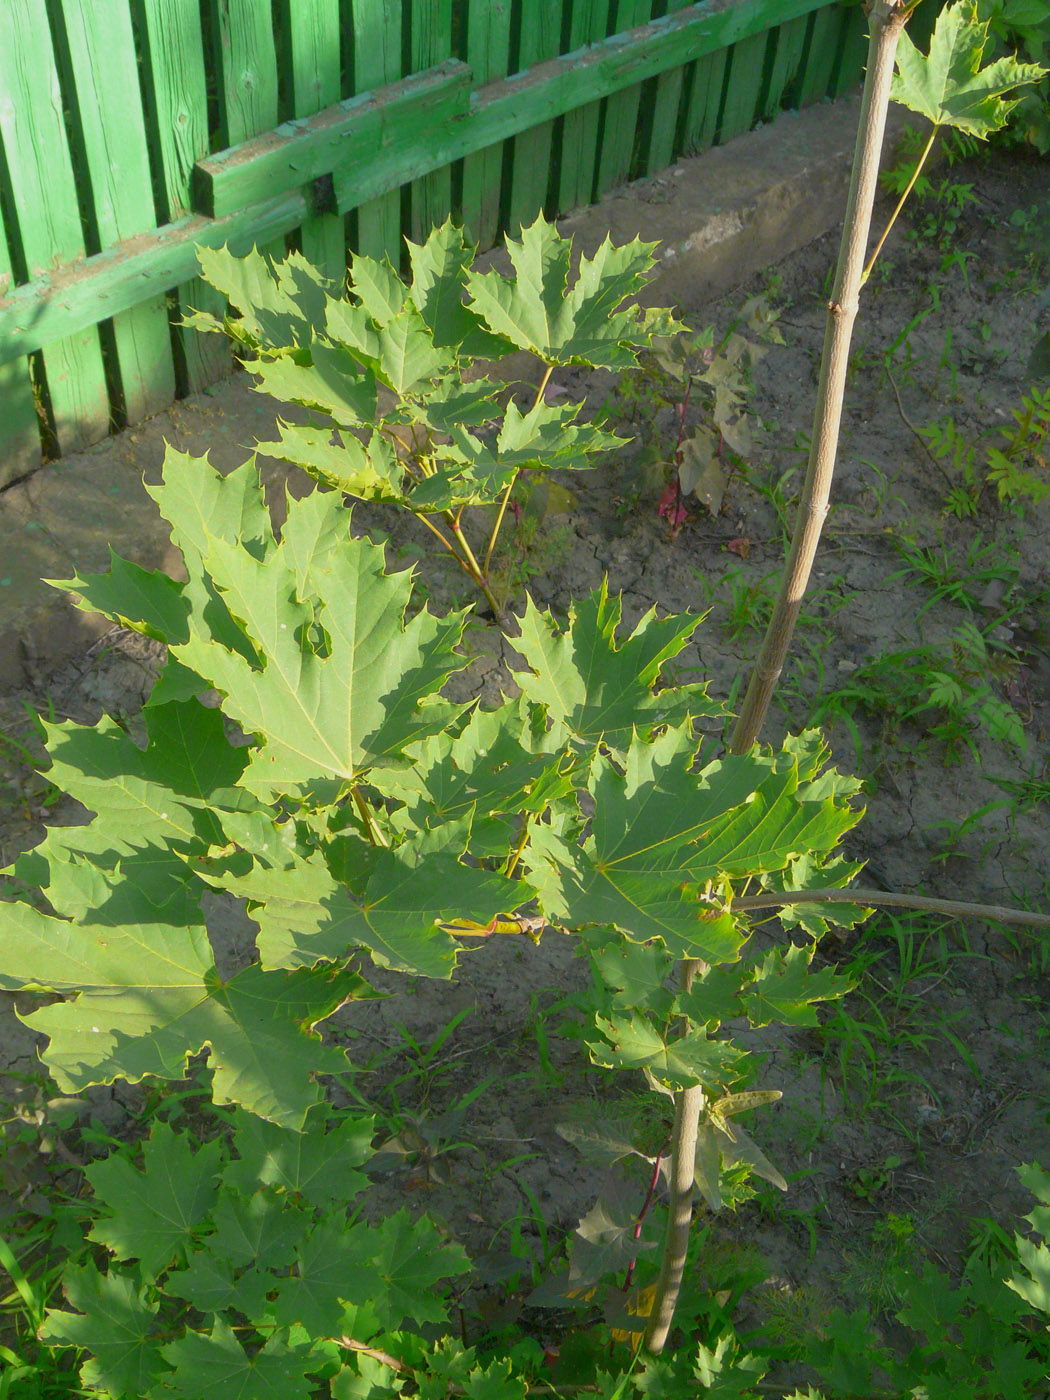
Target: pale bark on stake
{"x":887,"y":20}
{"x":887,"y":23}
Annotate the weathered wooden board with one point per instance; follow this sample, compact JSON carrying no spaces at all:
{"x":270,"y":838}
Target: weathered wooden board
{"x":782,"y":87}
{"x":531,"y":157}
{"x":310,"y":58}
{"x":743,"y":92}
{"x":488,"y":52}
{"x":19,"y":427}
{"x":371,"y":148}
{"x":853,"y":51}
{"x":621,"y":109}
{"x":79,"y":295}
{"x":246,"y":62}
{"x":664,"y":114}
{"x":579,"y":136}
{"x":242,"y":31}
{"x":377,"y":62}
{"x":99,"y":67}
{"x":821,"y":55}
{"x":703,"y":101}
{"x":391,"y":134}
{"x":45,"y":230}
{"x":430,"y":198}
{"x":177,"y":128}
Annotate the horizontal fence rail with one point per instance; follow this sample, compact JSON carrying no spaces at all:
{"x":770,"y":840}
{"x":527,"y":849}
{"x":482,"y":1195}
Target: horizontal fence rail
{"x":132,"y":131}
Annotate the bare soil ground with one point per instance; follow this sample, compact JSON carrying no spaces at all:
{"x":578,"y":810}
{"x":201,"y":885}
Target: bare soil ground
{"x":925,"y":1090}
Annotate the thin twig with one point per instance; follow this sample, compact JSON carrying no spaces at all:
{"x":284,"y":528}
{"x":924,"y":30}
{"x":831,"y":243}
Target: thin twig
{"x":900,"y":205}
{"x":909,"y":424}
{"x":688,"y":1104}
{"x":994,"y":913}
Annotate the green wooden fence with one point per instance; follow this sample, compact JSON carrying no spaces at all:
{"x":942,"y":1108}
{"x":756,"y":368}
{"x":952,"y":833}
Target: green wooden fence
{"x":133,"y":130}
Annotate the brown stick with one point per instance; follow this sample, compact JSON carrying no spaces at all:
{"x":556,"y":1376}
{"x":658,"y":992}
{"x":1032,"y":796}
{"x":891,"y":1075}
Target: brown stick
{"x":887,"y":23}
{"x":994,"y":913}
{"x":687,"y":1108}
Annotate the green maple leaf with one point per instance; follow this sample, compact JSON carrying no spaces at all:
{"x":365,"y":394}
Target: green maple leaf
{"x":411,"y":1256}
{"x":159,"y":796}
{"x":259,"y":1230}
{"x":280,"y":305}
{"x":538,"y":310}
{"x":390,"y":902}
{"x":794,"y":809}
{"x":319,"y":1163}
{"x":713,"y":998}
{"x":115,"y":1323}
{"x":661,"y":833}
{"x":142,"y":600}
{"x":215,"y":1366}
{"x":392,"y":1268}
{"x":635,"y":973}
{"x":377,"y":287}
{"x":546,"y":437}
{"x":633,"y":871}
{"x":408,"y":357}
{"x":320,"y":663}
{"x":439,"y":276}
{"x":949,"y":87}
{"x":785,"y":989}
{"x":451,"y":404}
{"x":333,"y":382}
{"x":478,"y":782}
{"x":334,"y":1268}
{"x":633,"y":1042}
{"x":208,"y":1284}
{"x":727,"y":1373}
{"x":815,"y":870}
{"x":151,"y":1215}
{"x":598,"y":691}
{"x":145,"y":996}
{"x":386,"y":333}
{"x":340,"y":461}
{"x":495,"y":1382}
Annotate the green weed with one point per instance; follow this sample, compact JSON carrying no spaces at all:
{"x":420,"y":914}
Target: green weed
{"x":943,"y":692}
{"x":960,"y":581}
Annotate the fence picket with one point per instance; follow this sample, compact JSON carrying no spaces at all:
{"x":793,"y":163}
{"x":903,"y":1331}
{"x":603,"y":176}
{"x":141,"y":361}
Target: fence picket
{"x":744,"y":88}
{"x":787,"y":59}
{"x":430,"y":197}
{"x":853,"y":49}
{"x":177,"y":130}
{"x":242,"y":32}
{"x":822,"y":50}
{"x":579,"y":136}
{"x":488,"y":43}
{"x":377,"y":61}
{"x":311,"y":62}
{"x":96,"y":51}
{"x":621,"y":111}
{"x":46,"y":219}
{"x":532,"y":150}
{"x":666,"y":101}
{"x":19,"y":429}
{"x":705,"y":81}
